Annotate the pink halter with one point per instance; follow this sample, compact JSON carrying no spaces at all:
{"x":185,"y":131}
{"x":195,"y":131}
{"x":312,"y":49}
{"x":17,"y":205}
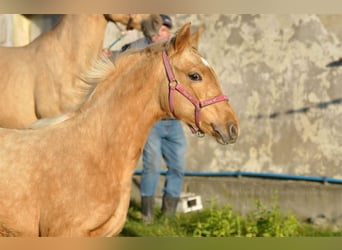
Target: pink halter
{"x":198,"y":104}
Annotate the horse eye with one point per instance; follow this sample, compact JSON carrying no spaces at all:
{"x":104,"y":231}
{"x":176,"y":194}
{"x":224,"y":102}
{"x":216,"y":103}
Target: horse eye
{"x":195,"y":77}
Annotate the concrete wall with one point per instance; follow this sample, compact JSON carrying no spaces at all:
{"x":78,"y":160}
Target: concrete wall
{"x":313,"y":202}
{"x":273,"y":68}
{"x":6,"y":28}
{"x":19,"y":30}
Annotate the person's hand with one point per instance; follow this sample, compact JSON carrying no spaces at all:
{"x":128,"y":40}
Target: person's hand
{"x":106,"y":52}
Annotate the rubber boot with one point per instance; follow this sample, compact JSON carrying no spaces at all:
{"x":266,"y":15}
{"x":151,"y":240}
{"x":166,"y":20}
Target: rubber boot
{"x":147,"y":205}
{"x":169,"y":205}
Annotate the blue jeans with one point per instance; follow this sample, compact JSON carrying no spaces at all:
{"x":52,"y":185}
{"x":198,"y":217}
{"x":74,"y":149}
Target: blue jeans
{"x":165,"y":141}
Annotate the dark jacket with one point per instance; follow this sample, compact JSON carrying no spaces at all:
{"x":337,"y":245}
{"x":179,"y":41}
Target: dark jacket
{"x":138,"y":44}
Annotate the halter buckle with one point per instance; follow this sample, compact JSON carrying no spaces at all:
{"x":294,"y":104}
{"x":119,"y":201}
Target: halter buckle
{"x":199,"y":133}
{"x":196,"y":131}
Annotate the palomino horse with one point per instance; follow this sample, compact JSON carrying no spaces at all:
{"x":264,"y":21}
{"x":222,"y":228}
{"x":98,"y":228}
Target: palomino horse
{"x":72,"y":175}
{"x":41,"y":79}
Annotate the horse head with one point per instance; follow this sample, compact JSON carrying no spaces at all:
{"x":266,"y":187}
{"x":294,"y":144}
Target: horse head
{"x":194,"y":94}
{"x":136,"y":21}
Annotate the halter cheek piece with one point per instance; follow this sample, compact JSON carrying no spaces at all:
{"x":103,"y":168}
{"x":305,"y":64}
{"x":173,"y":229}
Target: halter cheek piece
{"x":174,"y":85}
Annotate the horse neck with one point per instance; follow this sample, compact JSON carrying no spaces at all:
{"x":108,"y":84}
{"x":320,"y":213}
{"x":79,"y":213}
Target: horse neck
{"x":121,"y":112}
{"x":81,"y":36}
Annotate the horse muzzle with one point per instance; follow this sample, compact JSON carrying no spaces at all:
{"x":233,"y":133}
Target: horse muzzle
{"x":227,"y":134}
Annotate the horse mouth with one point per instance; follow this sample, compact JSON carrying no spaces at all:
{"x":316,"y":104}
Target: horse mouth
{"x":226,"y":135}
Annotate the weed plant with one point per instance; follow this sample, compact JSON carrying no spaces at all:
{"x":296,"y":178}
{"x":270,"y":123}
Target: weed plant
{"x":222,"y":221}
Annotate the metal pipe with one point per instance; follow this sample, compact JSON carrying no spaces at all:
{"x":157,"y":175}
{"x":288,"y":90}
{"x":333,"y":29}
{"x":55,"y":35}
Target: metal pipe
{"x":257,"y":175}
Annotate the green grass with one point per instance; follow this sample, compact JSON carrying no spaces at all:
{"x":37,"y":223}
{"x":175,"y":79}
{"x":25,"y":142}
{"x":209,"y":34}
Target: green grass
{"x":218,"y":221}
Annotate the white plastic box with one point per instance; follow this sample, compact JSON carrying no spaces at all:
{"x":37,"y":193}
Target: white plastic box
{"x":189,"y":202}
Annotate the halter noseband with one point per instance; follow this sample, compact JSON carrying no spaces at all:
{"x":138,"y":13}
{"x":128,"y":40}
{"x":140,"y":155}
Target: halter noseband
{"x":175,"y":85}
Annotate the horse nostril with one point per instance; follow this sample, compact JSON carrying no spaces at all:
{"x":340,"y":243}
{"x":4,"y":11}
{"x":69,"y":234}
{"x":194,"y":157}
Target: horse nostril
{"x":233,"y":131}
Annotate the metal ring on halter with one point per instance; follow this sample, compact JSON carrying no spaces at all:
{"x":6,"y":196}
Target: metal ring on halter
{"x":174,"y":81}
{"x":198,"y":132}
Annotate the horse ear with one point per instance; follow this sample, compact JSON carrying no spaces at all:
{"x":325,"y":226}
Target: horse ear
{"x":195,"y":36}
{"x":182,"y":37}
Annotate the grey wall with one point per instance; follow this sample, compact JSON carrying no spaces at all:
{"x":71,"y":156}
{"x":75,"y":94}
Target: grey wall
{"x":273,"y":68}
{"x":6,"y":27}
{"x":38,"y":24}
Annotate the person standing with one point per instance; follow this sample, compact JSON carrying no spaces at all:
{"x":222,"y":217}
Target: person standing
{"x":166,"y":141}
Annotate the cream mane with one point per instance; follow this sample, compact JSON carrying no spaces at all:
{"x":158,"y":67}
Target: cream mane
{"x":101,"y":68}
{"x":98,"y":72}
